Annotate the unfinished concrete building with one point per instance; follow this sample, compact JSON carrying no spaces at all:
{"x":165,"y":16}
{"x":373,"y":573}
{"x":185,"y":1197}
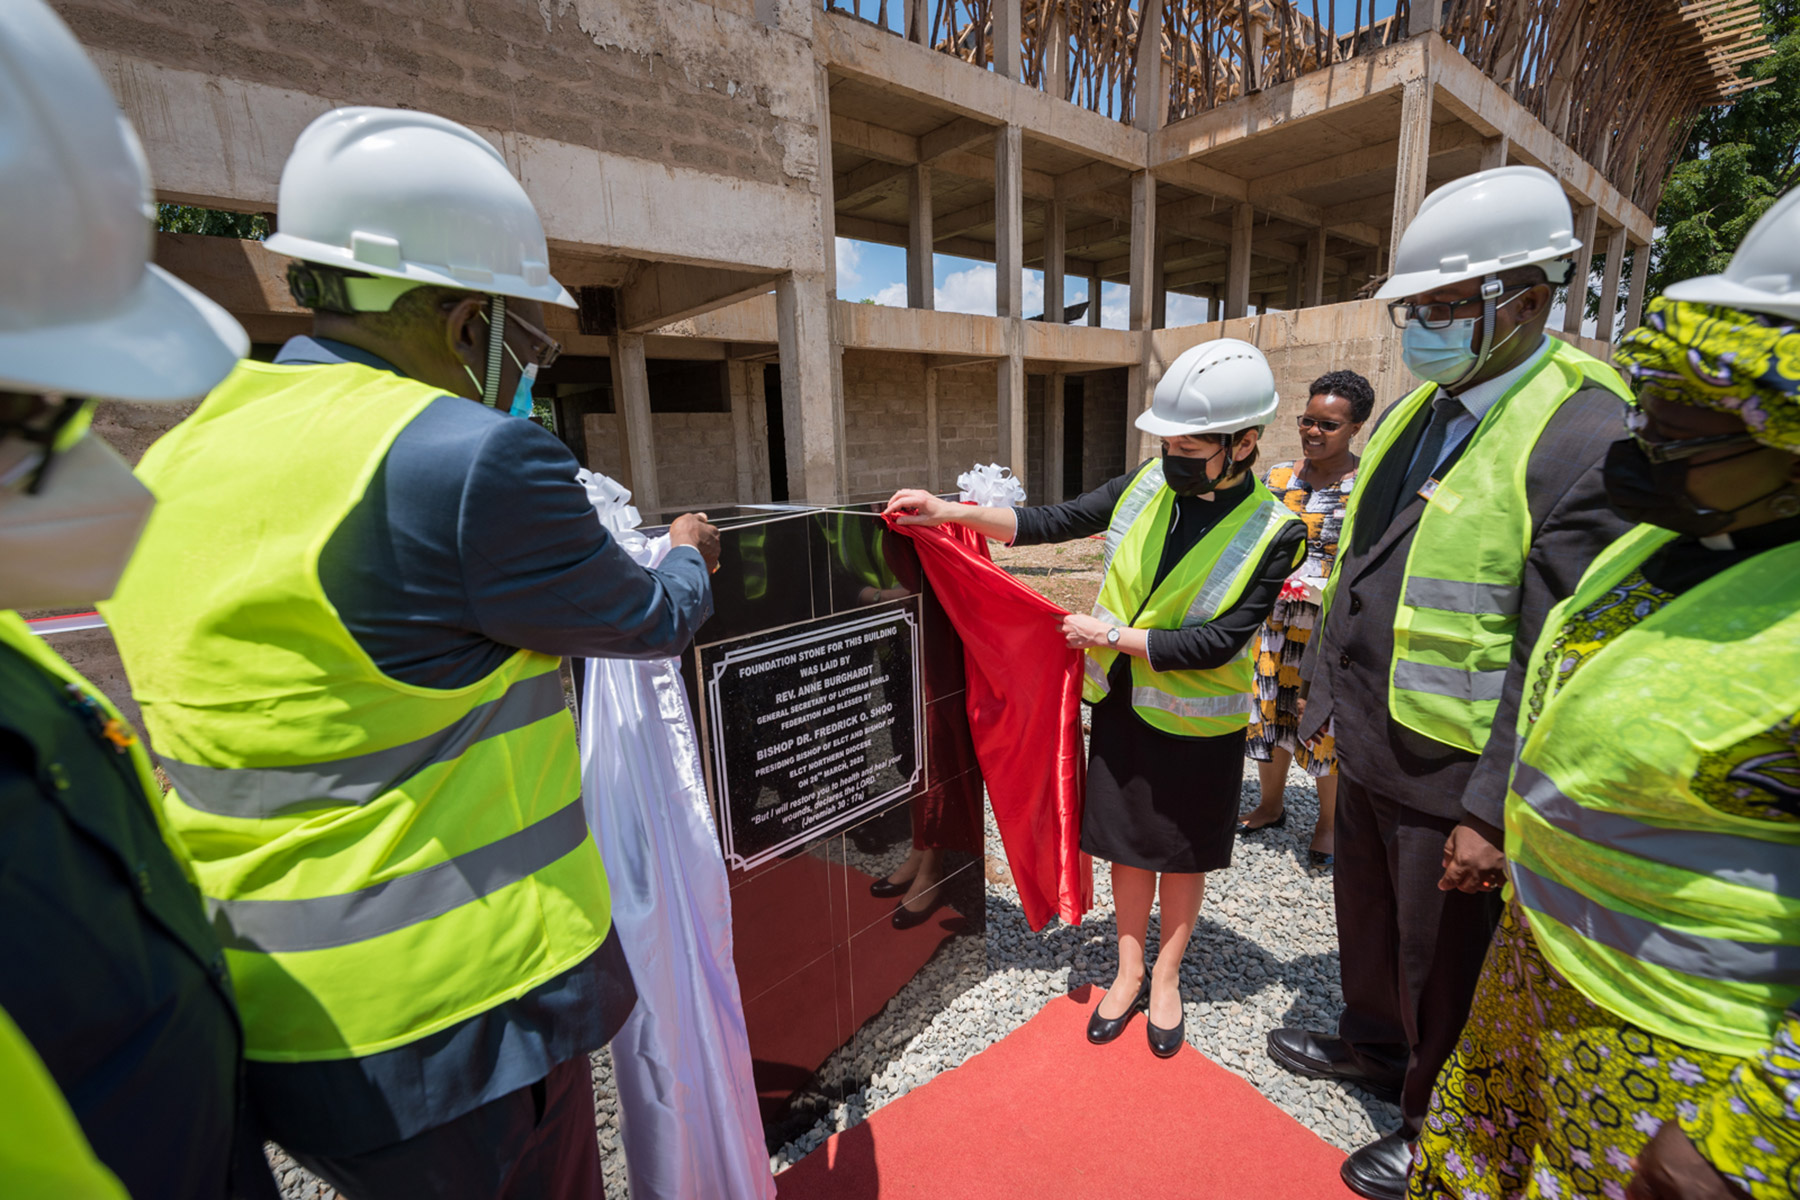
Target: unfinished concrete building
{"x":694,"y":161}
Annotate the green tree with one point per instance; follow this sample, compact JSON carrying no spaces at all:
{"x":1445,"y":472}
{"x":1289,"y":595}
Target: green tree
{"x":1738,"y":160}
{"x":212,"y":222}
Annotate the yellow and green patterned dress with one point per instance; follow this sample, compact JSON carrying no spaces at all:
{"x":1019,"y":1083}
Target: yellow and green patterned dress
{"x":1549,"y":1095}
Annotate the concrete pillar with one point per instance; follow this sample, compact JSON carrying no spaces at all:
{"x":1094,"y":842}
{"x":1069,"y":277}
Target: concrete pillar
{"x":1151,"y":98}
{"x":1055,"y":226}
{"x":1051,"y":488}
{"x":1140,"y":385}
{"x":1415,"y":153}
{"x":918,"y":21}
{"x":1494,"y":151}
{"x":1007,"y":38}
{"x":1237,"y":269}
{"x":1056,"y":55}
{"x":1009,"y":222}
{"x":1009,"y":300}
{"x":1640,"y":275}
{"x":827,"y":196}
{"x":1609,"y":287}
{"x":1159,"y":281}
{"x":1143,"y":249}
{"x":749,"y":430}
{"x":1291,"y":301}
{"x":810,"y":397}
{"x":1312,"y":279}
{"x":1426,"y":15}
{"x":921,"y":286}
{"x":1346,"y":289}
{"x":631,"y":400}
{"x":1587,"y":228}
{"x":1093,"y":308}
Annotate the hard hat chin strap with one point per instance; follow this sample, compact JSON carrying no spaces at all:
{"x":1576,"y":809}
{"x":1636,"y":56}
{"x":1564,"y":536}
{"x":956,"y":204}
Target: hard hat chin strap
{"x":1491,"y":291}
{"x":496,"y":317}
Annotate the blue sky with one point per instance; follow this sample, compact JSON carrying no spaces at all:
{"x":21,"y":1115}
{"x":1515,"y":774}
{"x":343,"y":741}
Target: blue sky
{"x":872,"y":271}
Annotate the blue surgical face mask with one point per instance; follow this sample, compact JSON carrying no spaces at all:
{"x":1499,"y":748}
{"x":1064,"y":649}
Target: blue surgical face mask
{"x":1446,"y":356}
{"x":521,"y":401}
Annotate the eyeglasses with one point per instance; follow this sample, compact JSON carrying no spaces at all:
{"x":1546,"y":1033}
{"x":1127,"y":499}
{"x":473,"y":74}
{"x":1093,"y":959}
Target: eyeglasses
{"x":1663,"y":450}
{"x":1442,"y":315}
{"x":1306,"y":422}
{"x":548,"y":348}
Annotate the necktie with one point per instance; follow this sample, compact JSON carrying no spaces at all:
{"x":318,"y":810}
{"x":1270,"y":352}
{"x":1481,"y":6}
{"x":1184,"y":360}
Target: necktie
{"x":1444,"y":409}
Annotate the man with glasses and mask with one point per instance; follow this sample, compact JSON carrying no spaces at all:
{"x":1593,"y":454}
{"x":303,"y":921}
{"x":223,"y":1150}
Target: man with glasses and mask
{"x":345,"y":635}
{"x":1479,"y":506}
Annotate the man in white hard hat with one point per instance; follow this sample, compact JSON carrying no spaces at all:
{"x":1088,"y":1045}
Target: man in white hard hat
{"x":111,"y":974}
{"x":1480,"y":505}
{"x":362,"y":576}
{"x":1197,"y":550}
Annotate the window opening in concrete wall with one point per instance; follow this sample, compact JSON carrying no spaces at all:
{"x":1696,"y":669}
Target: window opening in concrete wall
{"x":685,"y":386}
{"x":213,"y":222}
{"x":778,"y":480}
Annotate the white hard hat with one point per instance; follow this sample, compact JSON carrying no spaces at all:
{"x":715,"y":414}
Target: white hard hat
{"x":83,"y":312}
{"x":1482,"y":224}
{"x":1221,"y":386}
{"x":1764,"y":274}
{"x":408,"y":195}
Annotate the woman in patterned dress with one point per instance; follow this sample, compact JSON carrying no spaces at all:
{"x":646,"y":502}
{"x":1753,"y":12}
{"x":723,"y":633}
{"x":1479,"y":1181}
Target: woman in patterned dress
{"x":1628,"y":1038}
{"x":1316,"y":488}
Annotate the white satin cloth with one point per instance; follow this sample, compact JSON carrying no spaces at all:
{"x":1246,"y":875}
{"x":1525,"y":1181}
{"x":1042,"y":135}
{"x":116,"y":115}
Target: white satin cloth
{"x":687,"y":1102}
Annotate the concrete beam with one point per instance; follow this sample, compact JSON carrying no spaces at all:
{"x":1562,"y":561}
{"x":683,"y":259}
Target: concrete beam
{"x":964,"y":219}
{"x":959,"y":134}
{"x":1094,"y":176}
{"x":1356,"y":164}
{"x":855,"y":49}
{"x":874,"y":141}
{"x":659,"y":293}
{"x":865,"y":183}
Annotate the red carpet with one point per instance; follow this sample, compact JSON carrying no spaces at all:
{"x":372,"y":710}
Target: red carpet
{"x":1029,"y":1118}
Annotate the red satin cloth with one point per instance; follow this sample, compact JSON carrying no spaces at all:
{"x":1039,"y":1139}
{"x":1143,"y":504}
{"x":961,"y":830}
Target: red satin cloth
{"x":1024,"y":699}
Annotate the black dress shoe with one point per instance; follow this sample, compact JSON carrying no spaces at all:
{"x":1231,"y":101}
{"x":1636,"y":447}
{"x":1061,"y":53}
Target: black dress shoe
{"x":1280,"y":822}
{"x":1378,"y":1170}
{"x":887,"y":889}
{"x":1102,"y":1030}
{"x":906,"y":918}
{"x":1322,"y":1056}
{"x":1164,"y":1042}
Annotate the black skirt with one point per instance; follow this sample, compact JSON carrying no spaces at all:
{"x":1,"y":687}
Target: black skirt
{"x":1158,"y":802}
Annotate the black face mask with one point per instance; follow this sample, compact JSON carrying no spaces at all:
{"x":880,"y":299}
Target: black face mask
{"x":1189,"y":476}
{"x":1656,"y":493}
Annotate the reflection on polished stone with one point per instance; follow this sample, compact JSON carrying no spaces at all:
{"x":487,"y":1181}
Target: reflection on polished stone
{"x":831,"y":987}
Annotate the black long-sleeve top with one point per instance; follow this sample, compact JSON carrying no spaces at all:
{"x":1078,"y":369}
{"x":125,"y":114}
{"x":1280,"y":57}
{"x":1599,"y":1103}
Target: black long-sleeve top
{"x":1199,"y":647}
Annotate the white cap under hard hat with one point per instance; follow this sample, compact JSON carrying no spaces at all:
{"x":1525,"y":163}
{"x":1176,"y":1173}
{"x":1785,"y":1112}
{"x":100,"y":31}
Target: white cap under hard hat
{"x":1483,"y":224}
{"x":1764,"y":275}
{"x":416,"y":197}
{"x":84,"y":312}
{"x":1221,"y":386}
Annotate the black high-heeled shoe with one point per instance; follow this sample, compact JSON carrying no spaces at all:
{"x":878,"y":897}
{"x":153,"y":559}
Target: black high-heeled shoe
{"x":1165,"y":1042}
{"x":1245,"y":830}
{"x":906,"y":918}
{"x":887,"y":889}
{"x":1102,"y":1030}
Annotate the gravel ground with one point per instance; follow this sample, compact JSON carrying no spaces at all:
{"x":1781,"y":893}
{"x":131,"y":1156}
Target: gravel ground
{"x":1264,"y":953}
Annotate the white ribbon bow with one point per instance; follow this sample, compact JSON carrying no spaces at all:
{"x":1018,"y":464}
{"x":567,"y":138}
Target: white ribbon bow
{"x":992,"y":486}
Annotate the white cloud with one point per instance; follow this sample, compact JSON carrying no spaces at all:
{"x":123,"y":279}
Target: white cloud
{"x":1115,"y":306}
{"x":1185,"y":310}
{"x":894,"y":295}
{"x":849,"y":257}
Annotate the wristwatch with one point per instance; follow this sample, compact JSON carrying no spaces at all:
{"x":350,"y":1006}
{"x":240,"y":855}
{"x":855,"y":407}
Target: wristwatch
{"x":1112,"y":636}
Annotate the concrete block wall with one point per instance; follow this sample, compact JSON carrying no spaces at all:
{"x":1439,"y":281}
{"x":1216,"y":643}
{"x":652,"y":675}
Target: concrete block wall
{"x":696,"y":459}
{"x":885,"y":437}
{"x":672,"y":81}
{"x":968,"y":420}
{"x":1102,"y":430}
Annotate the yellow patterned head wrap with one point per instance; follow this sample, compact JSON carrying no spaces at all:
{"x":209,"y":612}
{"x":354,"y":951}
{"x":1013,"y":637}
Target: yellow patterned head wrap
{"x":1743,"y":363}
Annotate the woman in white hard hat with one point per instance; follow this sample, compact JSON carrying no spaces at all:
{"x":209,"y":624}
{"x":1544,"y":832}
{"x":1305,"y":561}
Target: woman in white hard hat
{"x":1197,"y":550}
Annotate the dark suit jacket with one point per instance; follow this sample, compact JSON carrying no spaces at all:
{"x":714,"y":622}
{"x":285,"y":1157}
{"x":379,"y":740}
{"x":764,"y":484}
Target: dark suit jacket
{"x":1347,"y":664}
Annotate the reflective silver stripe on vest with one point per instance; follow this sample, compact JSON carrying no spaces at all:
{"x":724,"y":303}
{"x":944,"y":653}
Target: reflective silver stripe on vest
{"x":1230,"y":561}
{"x":1749,"y":862}
{"x":1646,"y":941}
{"x":1454,"y":682}
{"x":1197,"y":708}
{"x":1135,"y":500}
{"x":1461,"y":596}
{"x":1091,"y":668}
{"x":322,"y":922}
{"x":257,"y":793}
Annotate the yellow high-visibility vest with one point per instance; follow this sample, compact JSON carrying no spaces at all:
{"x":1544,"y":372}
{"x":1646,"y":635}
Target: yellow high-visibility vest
{"x":1207,"y":581}
{"x":1459,"y":601}
{"x":380,"y":860}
